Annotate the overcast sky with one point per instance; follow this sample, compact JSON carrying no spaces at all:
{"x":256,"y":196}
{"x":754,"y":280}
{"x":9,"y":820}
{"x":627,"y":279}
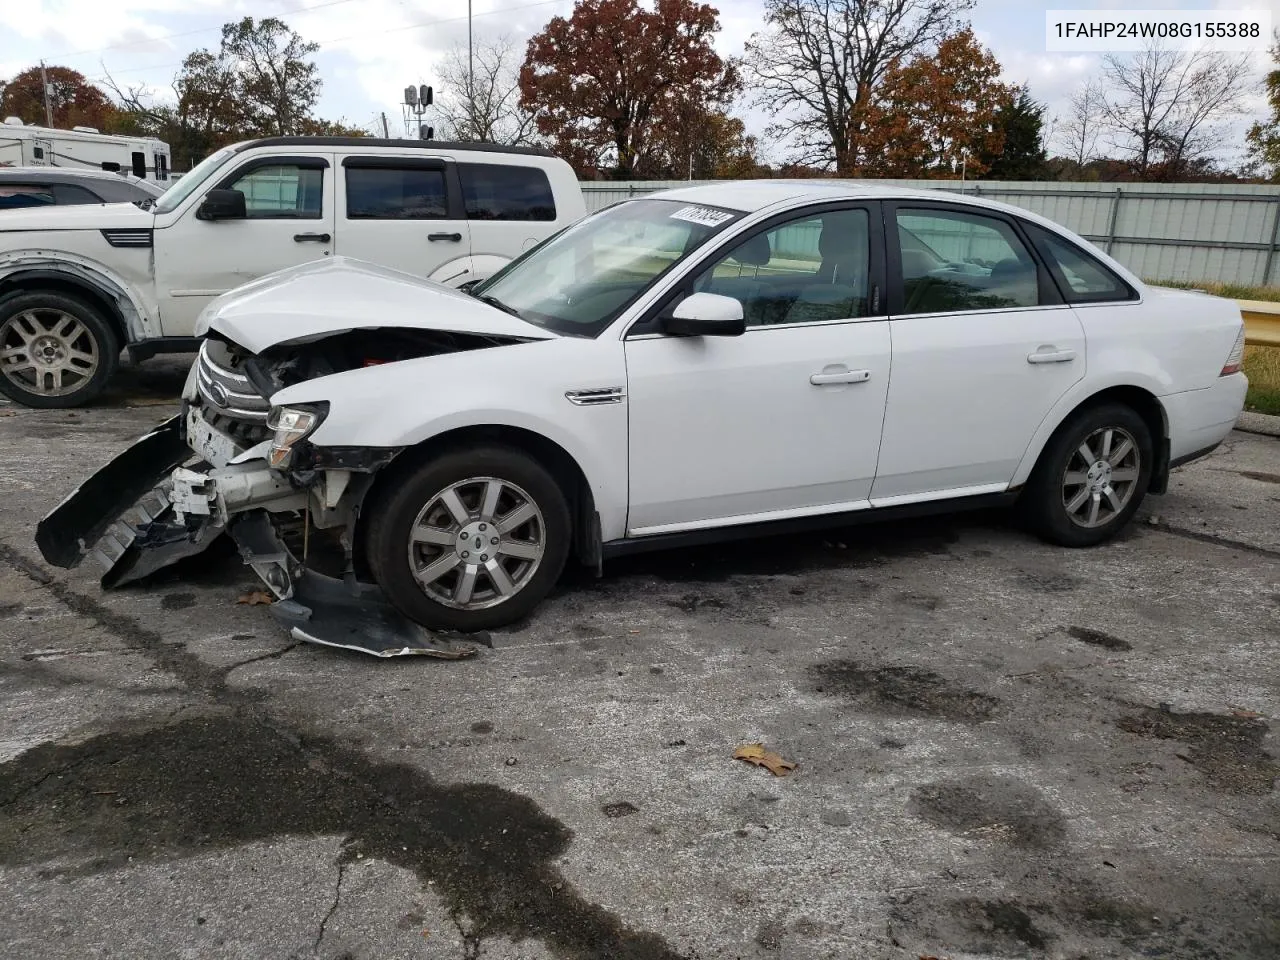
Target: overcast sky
{"x":370,"y":49}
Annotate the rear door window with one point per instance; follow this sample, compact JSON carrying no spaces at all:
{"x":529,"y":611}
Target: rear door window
{"x":495,"y":191}
{"x":396,"y":193}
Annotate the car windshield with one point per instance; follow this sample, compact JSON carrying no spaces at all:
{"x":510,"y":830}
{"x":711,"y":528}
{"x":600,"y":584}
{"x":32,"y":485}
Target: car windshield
{"x":580,"y":280}
{"x":188,"y":183}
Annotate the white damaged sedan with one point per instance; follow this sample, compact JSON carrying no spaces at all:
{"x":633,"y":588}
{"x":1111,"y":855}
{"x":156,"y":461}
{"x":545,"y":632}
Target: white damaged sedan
{"x":700,"y":364}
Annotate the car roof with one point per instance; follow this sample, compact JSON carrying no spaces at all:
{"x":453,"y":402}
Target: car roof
{"x":379,"y":143}
{"x":752,"y":195}
{"x":62,"y":175}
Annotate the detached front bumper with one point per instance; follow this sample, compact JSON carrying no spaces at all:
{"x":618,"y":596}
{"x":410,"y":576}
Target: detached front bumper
{"x":156,"y":504}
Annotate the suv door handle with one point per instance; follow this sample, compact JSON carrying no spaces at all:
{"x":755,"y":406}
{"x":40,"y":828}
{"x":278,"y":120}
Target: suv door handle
{"x":842,"y":376}
{"x":1050,"y":355}
{"x":455,"y":237}
{"x":311,"y":238}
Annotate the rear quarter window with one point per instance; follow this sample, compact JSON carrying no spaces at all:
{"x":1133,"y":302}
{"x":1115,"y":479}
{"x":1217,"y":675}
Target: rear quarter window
{"x":1081,"y":277}
{"x":493,"y":191}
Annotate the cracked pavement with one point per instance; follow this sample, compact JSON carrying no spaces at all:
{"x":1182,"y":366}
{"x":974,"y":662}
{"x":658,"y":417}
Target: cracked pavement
{"x":1004,"y":749}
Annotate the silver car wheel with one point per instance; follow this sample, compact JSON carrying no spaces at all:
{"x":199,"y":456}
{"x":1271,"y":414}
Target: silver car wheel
{"x":1101,"y":477}
{"x":477,"y":543}
{"x":47,"y":352}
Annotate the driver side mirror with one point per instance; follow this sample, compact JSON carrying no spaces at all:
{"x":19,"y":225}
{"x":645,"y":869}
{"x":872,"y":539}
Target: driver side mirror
{"x":706,"y":315}
{"x":222,"y":205}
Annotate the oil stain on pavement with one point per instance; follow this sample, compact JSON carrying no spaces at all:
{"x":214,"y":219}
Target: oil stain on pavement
{"x":227,"y":778}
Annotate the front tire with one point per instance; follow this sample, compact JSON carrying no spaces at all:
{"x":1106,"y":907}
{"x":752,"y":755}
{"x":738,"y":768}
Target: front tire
{"x":56,"y":351}
{"x":471,"y":540}
{"x":1091,"y":477}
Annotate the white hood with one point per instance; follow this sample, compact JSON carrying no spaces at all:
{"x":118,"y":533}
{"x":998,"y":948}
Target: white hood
{"x":78,"y":216}
{"x":338,"y":294}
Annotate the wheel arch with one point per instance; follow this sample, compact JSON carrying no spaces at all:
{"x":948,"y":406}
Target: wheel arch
{"x":109,"y":297}
{"x":1140,"y":399}
{"x":562,"y":465}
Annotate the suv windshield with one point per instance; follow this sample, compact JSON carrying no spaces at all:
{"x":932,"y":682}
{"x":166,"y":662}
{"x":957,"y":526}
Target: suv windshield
{"x":188,"y":183}
{"x":581,"y":279}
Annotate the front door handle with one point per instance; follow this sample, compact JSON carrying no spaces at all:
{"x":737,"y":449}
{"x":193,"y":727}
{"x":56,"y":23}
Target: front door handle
{"x":311,"y":238}
{"x":1050,"y":355}
{"x":455,"y":237}
{"x":840,"y":376}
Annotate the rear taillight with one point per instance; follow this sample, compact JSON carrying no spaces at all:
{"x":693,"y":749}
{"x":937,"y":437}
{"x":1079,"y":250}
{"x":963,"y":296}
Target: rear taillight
{"x":1235,"y":360}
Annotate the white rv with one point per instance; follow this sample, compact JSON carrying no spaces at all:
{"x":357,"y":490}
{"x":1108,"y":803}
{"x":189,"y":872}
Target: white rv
{"x":82,"y":148}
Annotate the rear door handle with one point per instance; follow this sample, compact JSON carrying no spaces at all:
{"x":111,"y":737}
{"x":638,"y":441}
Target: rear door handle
{"x":841,"y":376}
{"x":1050,"y":355}
{"x":311,"y":238}
{"x":455,"y":237}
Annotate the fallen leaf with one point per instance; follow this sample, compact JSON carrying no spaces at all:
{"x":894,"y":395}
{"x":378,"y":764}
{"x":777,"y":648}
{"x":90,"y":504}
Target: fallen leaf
{"x":255,"y":597}
{"x":1246,"y":714}
{"x":757,"y":754}
{"x":8,"y":413}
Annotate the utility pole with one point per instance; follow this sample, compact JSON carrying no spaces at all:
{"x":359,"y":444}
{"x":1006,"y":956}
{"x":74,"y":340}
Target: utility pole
{"x":386,"y":135}
{"x":48,"y":107}
{"x":471,"y":65}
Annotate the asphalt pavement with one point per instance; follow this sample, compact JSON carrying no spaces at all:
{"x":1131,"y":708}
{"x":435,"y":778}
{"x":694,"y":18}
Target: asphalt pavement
{"x":1002,"y":748}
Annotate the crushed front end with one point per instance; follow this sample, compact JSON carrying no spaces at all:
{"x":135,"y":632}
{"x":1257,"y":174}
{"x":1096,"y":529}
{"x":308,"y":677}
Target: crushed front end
{"x":231,"y":463}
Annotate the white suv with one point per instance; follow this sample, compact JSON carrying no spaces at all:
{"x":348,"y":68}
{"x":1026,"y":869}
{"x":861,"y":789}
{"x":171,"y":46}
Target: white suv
{"x":700,"y":364}
{"x":78,"y":284}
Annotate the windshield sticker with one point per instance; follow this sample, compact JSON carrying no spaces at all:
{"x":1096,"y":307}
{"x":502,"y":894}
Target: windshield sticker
{"x":703,"y":215}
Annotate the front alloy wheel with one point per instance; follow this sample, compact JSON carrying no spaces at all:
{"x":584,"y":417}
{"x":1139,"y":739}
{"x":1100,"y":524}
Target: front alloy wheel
{"x":477,"y":543}
{"x":470,"y":539}
{"x":55,"y":350}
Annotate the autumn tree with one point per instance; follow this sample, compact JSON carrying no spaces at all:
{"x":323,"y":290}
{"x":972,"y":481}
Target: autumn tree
{"x":1264,"y":136}
{"x":481,"y":95}
{"x":1162,"y":109}
{"x":1021,"y":155}
{"x":819,"y":66}
{"x":278,"y":83}
{"x":691,"y":142}
{"x":599,"y":83}
{"x":73,"y":99}
{"x":937,"y":111}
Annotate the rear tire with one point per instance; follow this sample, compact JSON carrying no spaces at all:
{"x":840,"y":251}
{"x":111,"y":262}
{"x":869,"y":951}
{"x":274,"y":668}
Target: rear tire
{"x":1091,"y":476}
{"x":56,"y":351}
{"x":471,"y":540}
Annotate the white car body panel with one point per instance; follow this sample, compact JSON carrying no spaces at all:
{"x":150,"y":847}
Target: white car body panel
{"x":705,"y":413}
{"x":964,"y":398}
{"x":326,"y":297}
{"x":521,"y":386}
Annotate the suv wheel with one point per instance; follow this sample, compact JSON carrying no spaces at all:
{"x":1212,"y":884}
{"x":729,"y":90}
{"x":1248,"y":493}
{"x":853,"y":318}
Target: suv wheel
{"x":471,"y":540}
{"x":55,"y":350}
{"x":1091,"y":476}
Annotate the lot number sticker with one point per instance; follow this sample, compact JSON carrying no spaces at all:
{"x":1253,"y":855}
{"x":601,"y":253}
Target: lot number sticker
{"x":702,"y":215}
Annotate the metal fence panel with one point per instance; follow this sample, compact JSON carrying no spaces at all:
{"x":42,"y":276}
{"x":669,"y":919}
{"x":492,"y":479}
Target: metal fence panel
{"x":1164,"y":231}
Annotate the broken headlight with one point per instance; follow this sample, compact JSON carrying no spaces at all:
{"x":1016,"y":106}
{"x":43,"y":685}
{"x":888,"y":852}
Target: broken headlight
{"x":292,"y":424}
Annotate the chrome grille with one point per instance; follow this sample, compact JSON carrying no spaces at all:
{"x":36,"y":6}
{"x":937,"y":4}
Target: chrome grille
{"x":225,"y":392}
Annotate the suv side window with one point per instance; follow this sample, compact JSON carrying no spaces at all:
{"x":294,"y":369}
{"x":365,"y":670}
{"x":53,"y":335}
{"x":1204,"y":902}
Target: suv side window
{"x":396,"y":193}
{"x":18,"y":196}
{"x":282,"y":191}
{"x":70,"y":193}
{"x":801,"y":271}
{"x":955,"y":260}
{"x":1082,"y":278}
{"x":494,"y":191}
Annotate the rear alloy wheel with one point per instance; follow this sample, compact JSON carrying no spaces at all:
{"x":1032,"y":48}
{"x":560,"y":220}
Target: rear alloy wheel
{"x":55,"y":350}
{"x":472,"y":540}
{"x":1091,"y":477}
